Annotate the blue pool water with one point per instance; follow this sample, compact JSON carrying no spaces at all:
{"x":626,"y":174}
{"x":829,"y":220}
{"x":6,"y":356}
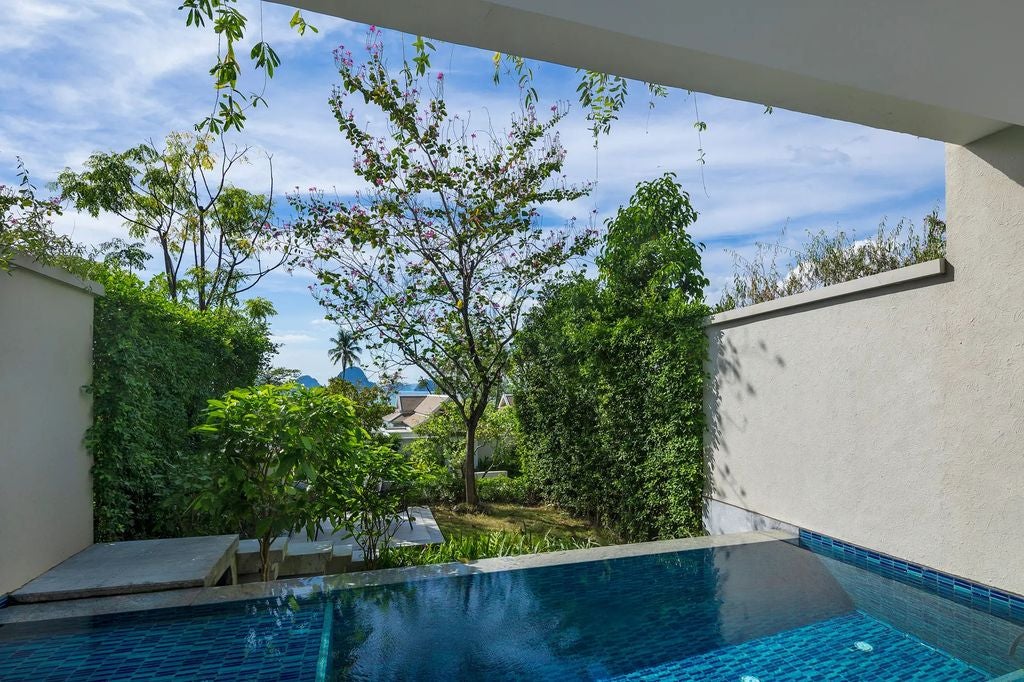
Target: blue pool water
{"x":765,"y":611}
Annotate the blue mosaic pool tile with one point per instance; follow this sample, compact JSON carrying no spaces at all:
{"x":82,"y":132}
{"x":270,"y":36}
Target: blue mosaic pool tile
{"x":975,"y":595}
{"x":825,"y":650}
{"x":260,"y":641}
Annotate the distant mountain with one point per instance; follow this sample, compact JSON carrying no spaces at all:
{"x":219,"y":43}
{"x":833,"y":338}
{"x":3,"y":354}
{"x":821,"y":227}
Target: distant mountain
{"x":308,"y":381}
{"x":356,"y":376}
{"x":428,"y":387}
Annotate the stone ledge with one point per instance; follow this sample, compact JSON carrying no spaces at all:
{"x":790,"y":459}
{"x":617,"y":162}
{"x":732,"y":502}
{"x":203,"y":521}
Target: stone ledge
{"x":911,"y":273}
{"x":63,"y":276}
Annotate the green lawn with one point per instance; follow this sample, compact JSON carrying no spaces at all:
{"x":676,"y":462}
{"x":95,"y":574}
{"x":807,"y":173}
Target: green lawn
{"x":536,"y":521}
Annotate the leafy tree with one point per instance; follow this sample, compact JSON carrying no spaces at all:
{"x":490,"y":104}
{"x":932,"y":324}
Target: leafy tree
{"x":215,"y":241}
{"x":831,"y":258}
{"x":26,"y":223}
{"x":229,"y":25}
{"x":441,"y":442}
{"x":608,"y":376}
{"x":278,"y":376}
{"x":362,"y":493}
{"x":268,"y":446}
{"x":344,"y":349}
{"x":371,"y":403}
{"x":436,"y":260}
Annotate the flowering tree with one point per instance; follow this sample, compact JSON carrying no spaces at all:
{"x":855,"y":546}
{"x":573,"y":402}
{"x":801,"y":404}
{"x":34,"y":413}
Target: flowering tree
{"x":26,"y":223}
{"x":434,"y":263}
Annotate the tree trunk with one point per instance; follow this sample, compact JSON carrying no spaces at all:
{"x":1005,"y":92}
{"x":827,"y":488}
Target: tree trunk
{"x":469,"y":467}
{"x":265,"y":543}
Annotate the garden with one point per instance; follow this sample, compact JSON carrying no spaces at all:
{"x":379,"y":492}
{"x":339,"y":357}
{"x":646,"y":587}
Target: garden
{"x":443,"y":262}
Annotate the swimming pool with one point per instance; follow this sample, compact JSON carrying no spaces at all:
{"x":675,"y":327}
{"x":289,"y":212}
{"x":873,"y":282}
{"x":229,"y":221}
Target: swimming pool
{"x":758,"y":611}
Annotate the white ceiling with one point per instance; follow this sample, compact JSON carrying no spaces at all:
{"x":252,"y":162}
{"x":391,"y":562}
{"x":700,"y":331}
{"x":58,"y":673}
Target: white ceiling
{"x":944,"y":69}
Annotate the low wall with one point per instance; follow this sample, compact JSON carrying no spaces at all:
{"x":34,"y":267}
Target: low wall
{"x":889,"y":412}
{"x":45,"y":363}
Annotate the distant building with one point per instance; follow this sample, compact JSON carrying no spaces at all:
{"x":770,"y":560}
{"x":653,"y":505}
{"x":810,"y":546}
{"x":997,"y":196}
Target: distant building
{"x":411,"y":411}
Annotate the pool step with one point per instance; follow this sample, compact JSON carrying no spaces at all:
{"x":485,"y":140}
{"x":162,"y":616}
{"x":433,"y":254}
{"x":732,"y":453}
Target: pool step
{"x":341,"y":561}
{"x":307,"y":558}
{"x":248,"y":554}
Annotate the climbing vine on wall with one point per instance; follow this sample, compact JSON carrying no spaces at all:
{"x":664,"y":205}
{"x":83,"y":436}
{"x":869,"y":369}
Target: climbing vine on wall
{"x":155,"y":364}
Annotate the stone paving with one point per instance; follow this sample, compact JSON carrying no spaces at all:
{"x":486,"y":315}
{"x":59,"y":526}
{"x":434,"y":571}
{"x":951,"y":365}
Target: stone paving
{"x":118,"y":568}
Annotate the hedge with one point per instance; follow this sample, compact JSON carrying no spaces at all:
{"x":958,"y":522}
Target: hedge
{"x":155,"y":364}
{"x":608,"y":376}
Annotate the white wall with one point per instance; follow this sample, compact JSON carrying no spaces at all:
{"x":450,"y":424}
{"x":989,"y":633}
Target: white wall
{"x":893,"y":419}
{"x":45,"y":360}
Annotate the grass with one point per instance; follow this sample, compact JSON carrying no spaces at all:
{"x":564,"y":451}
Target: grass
{"x":535,"y":521}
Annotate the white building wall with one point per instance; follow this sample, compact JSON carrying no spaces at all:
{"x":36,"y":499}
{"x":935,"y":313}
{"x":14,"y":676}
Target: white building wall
{"x":45,"y":361}
{"x":893,"y":418}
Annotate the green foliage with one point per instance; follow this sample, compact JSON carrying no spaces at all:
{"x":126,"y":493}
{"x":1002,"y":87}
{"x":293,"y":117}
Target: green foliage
{"x":435,"y":261}
{"x":26,"y":223}
{"x":344,"y":349}
{"x":371,"y":404}
{"x":441,"y":449}
{"x":466,"y":548}
{"x":831,"y":258}
{"x":602,"y":95}
{"x":608,"y":377}
{"x":278,"y":376}
{"x":362,"y":493}
{"x":267,"y":449}
{"x":499,"y":430}
{"x":513,"y":490}
{"x":229,"y":25}
{"x":155,"y":364}
{"x":648,"y":251}
{"x":215,"y":241}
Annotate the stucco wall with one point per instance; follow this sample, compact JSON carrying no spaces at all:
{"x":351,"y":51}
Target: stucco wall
{"x":45,"y":360}
{"x":894,"y":419}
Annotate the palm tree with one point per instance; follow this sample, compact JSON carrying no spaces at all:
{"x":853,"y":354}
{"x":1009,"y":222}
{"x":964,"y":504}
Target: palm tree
{"x":345,"y":350}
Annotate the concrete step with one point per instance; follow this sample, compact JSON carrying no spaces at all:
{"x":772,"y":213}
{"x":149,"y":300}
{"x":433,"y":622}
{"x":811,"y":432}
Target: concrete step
{"x":341,"y":560}
{"x":248,"y":554}
{"x":307,"y":558}
{"x":258,"y":577}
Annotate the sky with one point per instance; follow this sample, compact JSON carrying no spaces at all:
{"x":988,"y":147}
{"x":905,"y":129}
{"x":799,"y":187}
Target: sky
{"x":82,"y":76}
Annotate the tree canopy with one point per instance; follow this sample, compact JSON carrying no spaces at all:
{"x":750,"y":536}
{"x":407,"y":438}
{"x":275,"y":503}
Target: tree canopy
{"x":434,"y":262}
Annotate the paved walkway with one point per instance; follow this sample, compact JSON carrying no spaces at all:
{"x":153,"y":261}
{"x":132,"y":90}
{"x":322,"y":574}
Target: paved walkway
{"x":115,"y":568}
{"x":424,"y":531}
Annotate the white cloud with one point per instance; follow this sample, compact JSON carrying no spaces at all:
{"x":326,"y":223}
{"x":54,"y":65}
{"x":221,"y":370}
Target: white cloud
{"x":293,"y":338}
{"x":103,"y":74}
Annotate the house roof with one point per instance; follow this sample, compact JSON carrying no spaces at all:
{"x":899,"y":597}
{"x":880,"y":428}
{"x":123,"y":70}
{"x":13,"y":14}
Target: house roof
{"x":413,"y":410}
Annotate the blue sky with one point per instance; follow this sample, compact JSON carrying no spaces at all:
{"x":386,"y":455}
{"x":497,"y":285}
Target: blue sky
{"x":86,"y":75}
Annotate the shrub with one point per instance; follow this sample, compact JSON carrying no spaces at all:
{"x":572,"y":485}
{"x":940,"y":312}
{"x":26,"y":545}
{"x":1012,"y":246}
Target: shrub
{"x":362,"y":492}
{"x":828,"y":259}
{"x":155,"y":364}
{"x":517,"y":490}
{"x":464,"y":548}
{"x":267,"y":448}
{"x":441,"y":486}
{"x":608,"y":377}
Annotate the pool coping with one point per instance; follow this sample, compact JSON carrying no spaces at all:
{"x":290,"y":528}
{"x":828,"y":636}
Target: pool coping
{"x":307,"y":587}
